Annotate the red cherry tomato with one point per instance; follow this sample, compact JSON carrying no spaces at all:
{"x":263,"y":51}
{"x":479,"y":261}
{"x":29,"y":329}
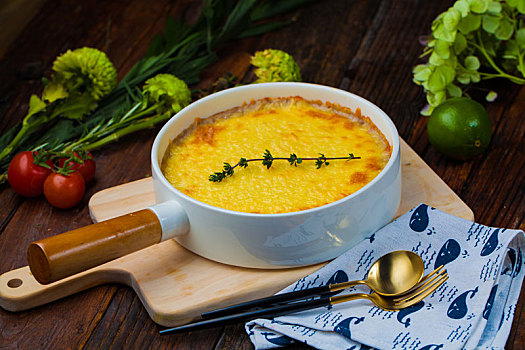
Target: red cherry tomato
{"x":26,"y":177}
{"x":64,"y":191}
{"x":86,"y":169}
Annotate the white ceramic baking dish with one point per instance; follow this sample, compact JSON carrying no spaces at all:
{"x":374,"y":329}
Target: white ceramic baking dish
{"x":243,"y":239}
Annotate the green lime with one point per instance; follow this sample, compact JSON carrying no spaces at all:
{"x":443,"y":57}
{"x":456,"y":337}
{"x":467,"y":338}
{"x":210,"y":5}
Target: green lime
{"x":460,"y":128}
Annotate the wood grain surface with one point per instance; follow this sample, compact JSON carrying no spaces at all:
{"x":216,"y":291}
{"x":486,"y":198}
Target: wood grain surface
{"x":366,"y":47}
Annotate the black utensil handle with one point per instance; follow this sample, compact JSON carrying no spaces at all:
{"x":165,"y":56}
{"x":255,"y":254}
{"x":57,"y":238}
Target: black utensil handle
{"x":266,"y":302}
{"x":250,"y":315}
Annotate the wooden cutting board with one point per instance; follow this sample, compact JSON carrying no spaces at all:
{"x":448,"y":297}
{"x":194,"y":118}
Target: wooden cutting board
{"x":175,"y":285}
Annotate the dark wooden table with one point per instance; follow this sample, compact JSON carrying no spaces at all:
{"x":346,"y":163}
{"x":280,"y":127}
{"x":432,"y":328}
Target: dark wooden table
{"x":366,"y":47}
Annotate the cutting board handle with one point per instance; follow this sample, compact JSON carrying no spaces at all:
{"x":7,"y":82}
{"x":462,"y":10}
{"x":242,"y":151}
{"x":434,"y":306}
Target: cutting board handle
{"x":66,"y":254}
{"x":19,"y":290}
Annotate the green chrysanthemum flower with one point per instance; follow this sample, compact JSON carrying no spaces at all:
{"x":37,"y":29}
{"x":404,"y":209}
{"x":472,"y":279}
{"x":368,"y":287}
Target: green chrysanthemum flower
{"x":167,"y":91}
{"x":85,"y":70}
{"x":274,"y":66}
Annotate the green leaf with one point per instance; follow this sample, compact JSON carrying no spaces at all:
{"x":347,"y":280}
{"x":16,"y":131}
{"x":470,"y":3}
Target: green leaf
{"x":441,"y":77}
{"x":421,"y":72}
{"x":494,"y":8}
{"x":172,"y":31}
{"x":9,"y":135}
{"x":512,"y":50}
{"x":520,"y":38}
{"x":470,"y":23}
{"x":442,"y":48}
{"x":243,"y":163}
{"x":75,"y":107}
{"x":156,"y":46}
{"x":237,"y":21}
{"x":267,"y":159}
{"x":479,"y":6}
{"x":475,"y":77}
{"x":490,"y":23}
{"x":463,"y":7}
{"x":436,"y":98}
{"x":435,"y":60}
{"x":62,"y":131}
{"x":451,"y":19}
{"x":454,"y":90}
{"x":460,"y":44}
{"x":54,"y":91}
{"x":444,"y":34}
{"x":35,"y":105}
{"x":490,"y":45}
{"x":463,"y":78}
{"x":517,"y":4}
{"x":448,"y":73}
{"x":472,"y":63}
{"x":505,"y":30}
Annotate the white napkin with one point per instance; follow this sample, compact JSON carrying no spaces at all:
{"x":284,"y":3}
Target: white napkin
{"x":472,"y":310}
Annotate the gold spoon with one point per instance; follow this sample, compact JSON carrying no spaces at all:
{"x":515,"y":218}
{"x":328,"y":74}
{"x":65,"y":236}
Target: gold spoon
{"x":392,"y":274}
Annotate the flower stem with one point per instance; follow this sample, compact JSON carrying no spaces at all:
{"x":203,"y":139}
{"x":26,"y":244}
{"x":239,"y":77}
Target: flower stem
{"x":98,"y":133}
{"x":146,"y":123}
{"x":502,"y":73}
{"x":26,"y":129}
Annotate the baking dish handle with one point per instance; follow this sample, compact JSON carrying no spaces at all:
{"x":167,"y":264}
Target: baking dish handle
{"x":66,"y":254}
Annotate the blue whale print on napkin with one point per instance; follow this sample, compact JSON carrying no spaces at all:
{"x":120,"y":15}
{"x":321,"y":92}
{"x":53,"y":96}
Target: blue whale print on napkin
{"x":516,"y":265}
{"x":409,"y":310}
{"x":359,"y":347}
{"x":491,"y":244}
{"x":343,"y":327}
{"x":458,"y":309}
{"x":419,"y":219}
{"x":448,"y":253}
{"x":338,"y":277}
{"x":277,"y":339}
{"x":431,"y":347}
{"x":490,"y":302}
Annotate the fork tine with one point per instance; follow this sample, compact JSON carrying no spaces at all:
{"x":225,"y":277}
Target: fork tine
{"x":423,"y":293}
{"x":423,"y":280}
{"x":426,"y":278}
{"x":421,"y":286}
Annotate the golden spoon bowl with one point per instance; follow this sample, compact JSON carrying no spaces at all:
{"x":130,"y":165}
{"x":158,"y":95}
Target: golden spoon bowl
{"x":392,"y":274}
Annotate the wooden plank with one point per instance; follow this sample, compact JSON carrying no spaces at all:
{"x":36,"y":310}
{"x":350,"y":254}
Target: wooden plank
{"x":14,"y":16}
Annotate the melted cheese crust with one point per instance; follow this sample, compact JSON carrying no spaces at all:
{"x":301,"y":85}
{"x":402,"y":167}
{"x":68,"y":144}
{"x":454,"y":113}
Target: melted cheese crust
{"x":283,"y":126}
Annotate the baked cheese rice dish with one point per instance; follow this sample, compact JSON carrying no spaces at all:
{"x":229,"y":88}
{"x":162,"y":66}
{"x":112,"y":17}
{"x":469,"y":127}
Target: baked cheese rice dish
{"x":283,"y":126}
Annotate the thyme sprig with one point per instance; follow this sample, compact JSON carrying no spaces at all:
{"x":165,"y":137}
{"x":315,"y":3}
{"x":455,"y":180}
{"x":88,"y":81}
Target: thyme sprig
{"x":268,"y":159}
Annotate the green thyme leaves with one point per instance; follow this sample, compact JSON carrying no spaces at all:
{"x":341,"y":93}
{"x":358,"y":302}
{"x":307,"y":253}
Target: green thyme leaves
{"x":268,"y":160}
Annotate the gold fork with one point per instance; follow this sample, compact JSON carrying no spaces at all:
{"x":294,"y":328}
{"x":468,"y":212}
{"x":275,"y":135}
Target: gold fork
{"x":429,"y":285}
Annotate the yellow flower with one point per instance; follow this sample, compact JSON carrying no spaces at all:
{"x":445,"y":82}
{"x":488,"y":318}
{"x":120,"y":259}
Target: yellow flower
{"x":274,"y":66}
{"x":85,"y":70}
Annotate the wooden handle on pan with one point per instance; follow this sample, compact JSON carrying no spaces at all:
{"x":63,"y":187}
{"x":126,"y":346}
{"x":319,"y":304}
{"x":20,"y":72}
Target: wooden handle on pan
{"x":66,"y":254}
